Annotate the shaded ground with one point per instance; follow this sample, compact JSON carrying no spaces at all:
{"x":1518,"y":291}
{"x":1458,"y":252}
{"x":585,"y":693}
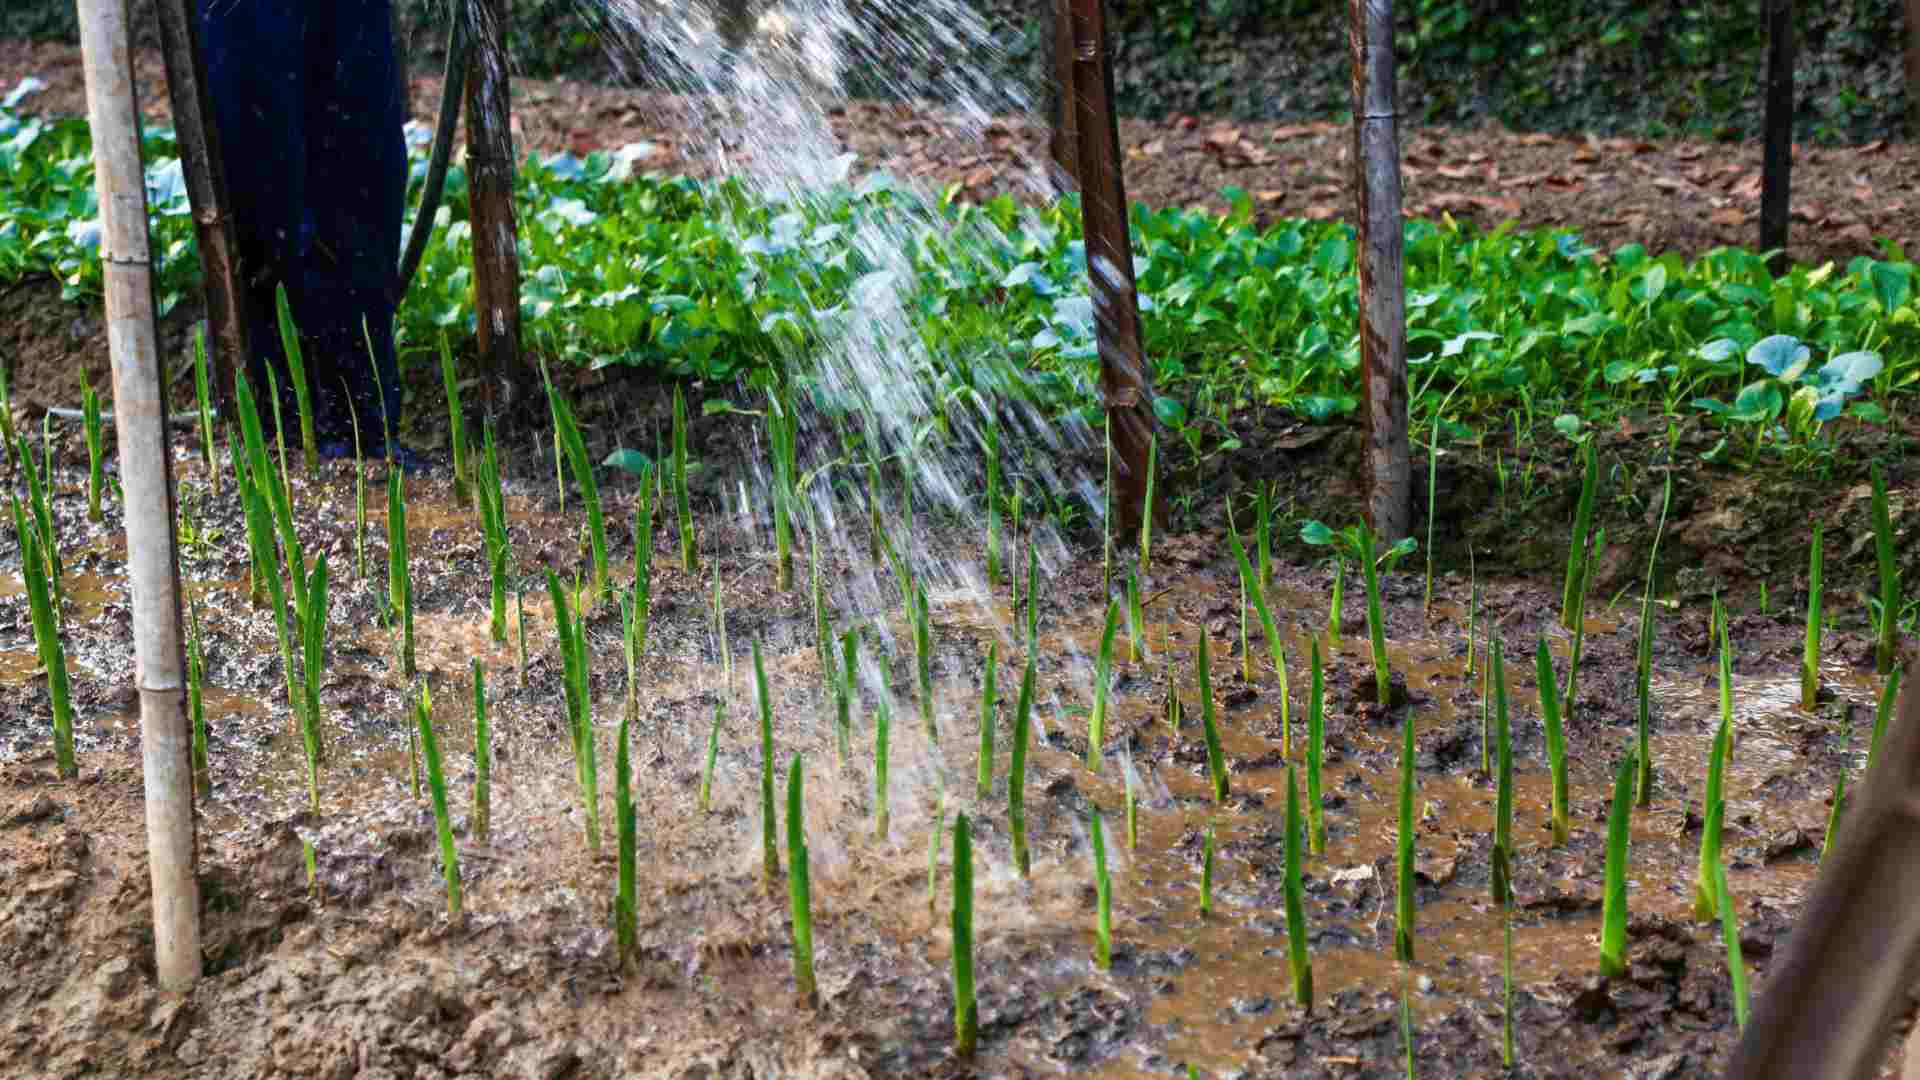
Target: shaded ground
{"x":1670,"y":195}
{"x":367,"y":976}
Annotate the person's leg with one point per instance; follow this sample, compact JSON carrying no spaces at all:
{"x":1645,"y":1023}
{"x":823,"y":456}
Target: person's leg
{"x":255,"y":76}
{"x":357,"y":181}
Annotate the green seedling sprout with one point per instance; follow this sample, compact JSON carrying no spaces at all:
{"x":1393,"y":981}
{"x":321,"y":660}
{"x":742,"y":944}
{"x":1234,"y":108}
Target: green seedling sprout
{"x":279,"y":430}
{"x":1433,"y":494}
{"x":297,"y":371}
{"x":413,"y":762}
{"x":1406,"y":1026}
{"x":1730,"y":933}
{"x":966,"y":1014}
{"x":1357,"y":542}
{"x":1131,"y":778}
{"x":1889,"y":693}
{"x":989,"y":715}
{"x":1276,"y":649}
{"x":39,"y":484}
{"x":456,"y":424}
{"x":202,"y":396}
{"x":720,"y":628}
{"x":1643,"y":667}
{"x":96,"y":447}
{"x":1569,"y":696}
{"x":437,"y":786}
{"x":876,"y":535}
{"x":1503,"y":781}
{"x":1206,"y":873}
{"x":844,"y":689}
{"x":993,"y":503}
{"x":1146,"y":518}
{"x":1316,"y":750}
{"x":1704,"y":900}
{"x":1810,"y":660}
{"x":1613,"y":916}
{"x":1889,"y":574}
{"x":799,"y":890}
{"x":482,"y":824}
{"x":1246,"y":652}
{"x":769,"y":845}
{"x":1556,"y":740}
{"x":1103,"y":896}
{"x":882,"y":729}
{"x":1033,"y":597}
{"x":196,"y":703}
{"x":399,"y":577}
{"x":259,"y":532}
{"x":683,"y":508}
{"x":1403,"y":900}
{"x":1017,"y":770}
{"x":313,"y":627}
{"x":1486,"y":718}
{"x":1576,"y":582}
{"x":1216,"y":759}
{"x":53,"y":657}
{"x":1297,"y":962}
{"x":630,"y":649}
{"x":781,"y":434}
{"x":713,"y":754}
{"x":1102,"y":677}
{"x":1473,"y":609}
{"x":1336,"y":607}
{"x":573,"y":662}
{"x":1136,"y":618}
{"x":359,"y":495}
{"x":1725,"y":622}
{"x":923,"y":657}
{"x":626,"y":917}
{"x":933,"y":842}
{"x":1173,"y":698}
{"x":1263,"y":532}
{"x":493,"y":524}
{"x":1833,"y":814}
{"x":582,"y":468}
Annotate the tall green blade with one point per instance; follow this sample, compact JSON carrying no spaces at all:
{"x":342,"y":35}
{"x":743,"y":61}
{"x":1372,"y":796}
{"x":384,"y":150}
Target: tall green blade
{"x":1556,"y":740}
{"x":1889,"y":574}
{"x":770,"y":862}
{"x":1613,"y":916}
{"x":799,"y":889}
{"x":1102,"y":679}
{"x":966,"y":1014}
{"x":1216,"y":759}
{"x":1810,"y":658}
{"x":989,"y":715}
{"x":1103,"y":895}
{"x":443,"y":821}
{"x":1297,"y":961}
{"x":1316,"y":751}
{"x":1403,"y":903}
{"x":1017,"y":770}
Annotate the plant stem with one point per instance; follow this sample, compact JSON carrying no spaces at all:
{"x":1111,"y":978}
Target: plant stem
{"x":1297,"y":961}
{"x":882,"y":725}
{"x":297,"y":371}
{"x":1216,"y":759}
{"x":1316,"y":751}
{"x":1582,"y":524}
{"x":1103,"y":896}
{"x":770,"y":861}
{"x":1889,"y":574}
{"x":799,"y":890}
{"x":437,"y":786}
{"x":1556,"y":740}
{"x":1206,"y":873}
{"x":989,"y":714}
{"x":689,"y":557}
{"x":626,"y":918}
{"x":1403,"y":906}
{"x":713,"y":752}
{"x":1810,"y":661}
{"x":1017,"y":770}
{"x":966,"y":1014}
{"x":1102,"y":677}
{"x":1613,"y":918}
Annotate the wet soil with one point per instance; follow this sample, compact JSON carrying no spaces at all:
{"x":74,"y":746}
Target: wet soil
{"x":1679,"y":195}
{"x":363,"y":973}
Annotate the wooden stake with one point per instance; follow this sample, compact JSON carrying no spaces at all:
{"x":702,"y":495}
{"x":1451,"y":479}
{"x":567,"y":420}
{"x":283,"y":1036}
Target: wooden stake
{"x":139,"y":406}
{"x":1776,"y":169}
{"x":490,"y":171}
{"x":1383,"y":321}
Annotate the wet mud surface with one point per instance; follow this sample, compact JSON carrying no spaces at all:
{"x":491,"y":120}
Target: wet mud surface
{"x":365,"y":975}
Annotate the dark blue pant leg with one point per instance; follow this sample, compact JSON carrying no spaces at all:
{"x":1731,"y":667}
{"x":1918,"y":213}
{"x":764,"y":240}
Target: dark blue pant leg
{"x":356,"y":191}
{"x":256,"y":75}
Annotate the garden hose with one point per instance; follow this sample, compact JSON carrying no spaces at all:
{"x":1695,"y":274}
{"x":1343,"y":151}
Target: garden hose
{"x":452,"y":88}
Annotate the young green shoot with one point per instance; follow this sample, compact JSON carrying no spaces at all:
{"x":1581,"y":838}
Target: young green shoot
{"x":923,"y":658}
{"x":1889,"y":694}
{"x":399,"y":578}
{"x":1017,"y":770}
{"x":1704,"y":898}
{"x":53,"y":657}
{"x":1336,"y":607}
{"x":1569,"y":696}
{"x":933,"y":842}
{"x":1206,"y":872}
{"x":482,"y":823}
{"x":574,"y":659}
{"x":781,"y":431}
{"x":6,"y":420}
{"x":493,"y":524}
{"x":1406,"y":1025}
{"x":769,"y":846}
{"x":1102,"y":678}
{"x":1276,"y":648}
{"x":96,"y":447}
{"x":1103,"y":895}
{"x":456,"y":424}
{"x":1297,"y":962}
{"x":196,"y":703}
{"x":1263,"y":531}
{"x":1503,"y":781}
{"x":966,"y":1013}
{"x":297,"y":371}
{"x":1730,"y":933}
{"x":626,"y":916}
{"x":1810,"y":659}
{"x":1643,"y":666}
{"x":713,"y":754}
{"x":1316,"y":750}
{"x":202,"y":396}
{"x":1889,"y":574}
{"x":689,"y":556}
{"x":1576,"y":581}
{"x":1357,"y":542}
{"x":442,"y":818}
{"x":582,"y":468}
{"x":1216,"y":759}
{"x":313,"y":635}
{"x":1146,"y":518}
{"x":1833,"y":813}
{"x":844,"y":688}
{"x":799,"y":890}
{"x":989,"y":715}
{"x":1556,"y":740}
{"x":1613,"y":916}
{"x":1403,"y":890}
{"x":1033,"y":597}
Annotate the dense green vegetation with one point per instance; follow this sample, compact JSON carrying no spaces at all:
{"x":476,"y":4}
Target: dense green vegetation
{"x":693,"y":281}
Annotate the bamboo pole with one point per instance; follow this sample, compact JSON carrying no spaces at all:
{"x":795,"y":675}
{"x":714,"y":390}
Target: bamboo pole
{"x":198,"y":136}
{"x":490,"y":166}
{"x":1776,"y":168}
{"x":1126,"y":383}
{"x":140,"y":421}
{"x":1063,"y":135}
{"x":1383,"y":292}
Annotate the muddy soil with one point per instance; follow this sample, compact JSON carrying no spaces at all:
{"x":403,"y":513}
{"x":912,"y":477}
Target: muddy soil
{"x":1688,"y":196}
{"x":362,"y":972}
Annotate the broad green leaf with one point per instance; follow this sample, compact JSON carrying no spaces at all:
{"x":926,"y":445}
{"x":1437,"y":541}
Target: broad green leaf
{"x":1784,"y":357}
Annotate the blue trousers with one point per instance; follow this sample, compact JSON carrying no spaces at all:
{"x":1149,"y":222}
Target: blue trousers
{"x":310,"y":103}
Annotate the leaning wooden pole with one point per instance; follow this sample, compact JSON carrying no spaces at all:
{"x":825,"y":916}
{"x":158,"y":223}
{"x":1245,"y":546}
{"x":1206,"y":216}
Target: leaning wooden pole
{"x":1913,"y":68}
{"x":1827,"y":1009}
{"x":198,"y":137}
{"x":139,"y":407}
{"x":1063,"y":127}
{"x":1126,"y":383}
{"x":1776,"y":162}
{"x":1383,"y":299}
{"x":490,"y":166}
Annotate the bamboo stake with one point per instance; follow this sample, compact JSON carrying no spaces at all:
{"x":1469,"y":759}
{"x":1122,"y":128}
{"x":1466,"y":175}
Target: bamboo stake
{"x":1776,"y":163}
{"x":140,"y":421}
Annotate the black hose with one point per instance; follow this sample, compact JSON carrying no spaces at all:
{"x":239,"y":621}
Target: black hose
{"x":452,"y":89}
